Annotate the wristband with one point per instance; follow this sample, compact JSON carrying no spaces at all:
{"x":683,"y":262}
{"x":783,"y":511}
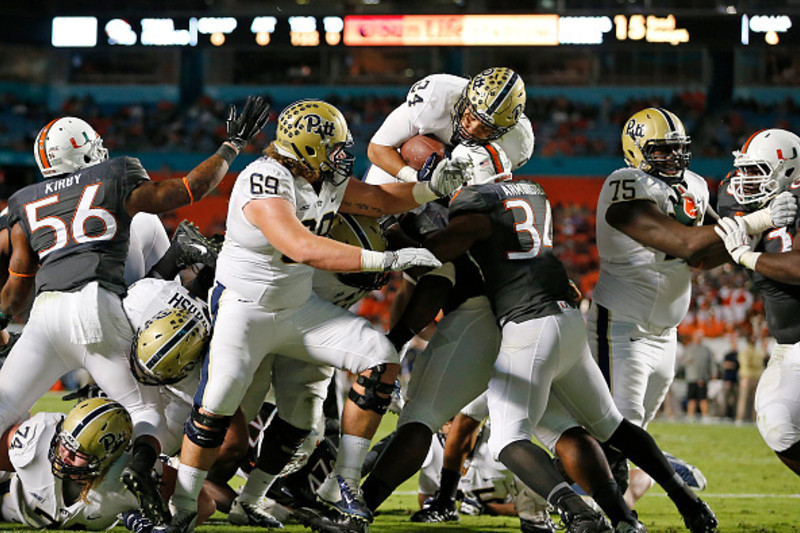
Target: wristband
{"x":757,"y":222}
{"x":749,"y":259}
{"x":407,"y":174}
{"x":227,"y":152}
{"x":372,"y":261}
{"x":399,"y":335}
{"x":422,"y":193}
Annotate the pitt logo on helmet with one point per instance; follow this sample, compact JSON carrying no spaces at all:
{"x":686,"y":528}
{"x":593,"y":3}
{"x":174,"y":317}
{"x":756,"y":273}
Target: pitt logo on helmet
{"x":316,"y":124}
{"x":634,"y":130}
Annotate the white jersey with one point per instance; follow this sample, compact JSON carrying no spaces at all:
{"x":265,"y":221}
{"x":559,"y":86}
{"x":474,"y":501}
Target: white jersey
{"x":636,"y":282}
{"x":36,"y":496}
{"x":428,"y":111}
{"x":248,"y":264}
{"x":148,"y":243}
{"x":329,"y":288}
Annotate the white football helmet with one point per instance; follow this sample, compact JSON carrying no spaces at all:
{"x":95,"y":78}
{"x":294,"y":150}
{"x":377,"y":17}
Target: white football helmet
{"x":67,"y":144}
{"x":490,"y":163}
{"x":766,"y":165}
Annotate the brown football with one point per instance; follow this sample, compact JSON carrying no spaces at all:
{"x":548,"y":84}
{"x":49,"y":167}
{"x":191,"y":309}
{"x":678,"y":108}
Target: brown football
{"x":417,"y":149}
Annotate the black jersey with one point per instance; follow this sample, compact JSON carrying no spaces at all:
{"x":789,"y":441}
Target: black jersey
{"x":781,"y":300}
{"x":523,"y":278}
{"x":429,"y":218}
{"x":78,"y":224}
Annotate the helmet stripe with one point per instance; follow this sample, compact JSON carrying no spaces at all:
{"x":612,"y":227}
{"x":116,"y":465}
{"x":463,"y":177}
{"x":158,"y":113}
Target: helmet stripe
{"x":92,"y":416}
{"x":495,"y":158}
{"x":668,"y":117}
{"x":40,"y":144}
{"x":358,"y":230}
{"x":747,"y":142}
{"x":176,"y":338}
{"x":504,"y":92}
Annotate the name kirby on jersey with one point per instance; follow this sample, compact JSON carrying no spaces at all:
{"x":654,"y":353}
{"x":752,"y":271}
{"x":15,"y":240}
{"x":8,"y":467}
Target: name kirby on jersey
{"x":57,"y":185}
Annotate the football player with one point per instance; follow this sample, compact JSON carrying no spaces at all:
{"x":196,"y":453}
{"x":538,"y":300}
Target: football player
{"x":69,"y":236}
{"x":768,"y":168}
{"x":487,"y":108}
{"x":653,"y":221}
{"x":543,"y":358}
{"x":64,"y":470}
{"x":263,"y":305}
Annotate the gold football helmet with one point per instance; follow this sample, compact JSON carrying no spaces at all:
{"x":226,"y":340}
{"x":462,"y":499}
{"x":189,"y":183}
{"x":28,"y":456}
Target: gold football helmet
{"x":364,"y":232}
{"x":168,"y":347}
{"x":95,"y":432}
{"x":496,"y":97}
{"x":655,"y":141}
{"x":767,"y":165}
{"x":315,"y":133}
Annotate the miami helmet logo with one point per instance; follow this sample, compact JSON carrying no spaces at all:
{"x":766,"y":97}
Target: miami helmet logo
{"x":794,"y":154}
{"x":315,"y":124}
{"x":634,"y":130}
{"x":75,"y":143}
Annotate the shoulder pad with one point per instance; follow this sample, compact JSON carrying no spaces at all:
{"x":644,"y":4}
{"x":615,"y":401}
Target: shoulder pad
{"x":31,"y":436}
{"x":474,"y":198}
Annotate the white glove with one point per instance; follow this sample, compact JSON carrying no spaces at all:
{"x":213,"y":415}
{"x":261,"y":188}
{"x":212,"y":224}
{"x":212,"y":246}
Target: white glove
{"x":782,"y":209}
{"x":450,"y":174}
{"x":401,"y":259}
{"x":739,"y":244}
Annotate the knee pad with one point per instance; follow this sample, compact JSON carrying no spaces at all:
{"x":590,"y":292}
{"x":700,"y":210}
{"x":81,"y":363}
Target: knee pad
{"x":206,"y":431}
{"x":370,"y":400}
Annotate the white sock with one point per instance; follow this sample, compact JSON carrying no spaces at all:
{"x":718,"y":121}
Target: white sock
{"x":187,"y":488}
{"x":350,"y":458}
{"x":258,"y":483}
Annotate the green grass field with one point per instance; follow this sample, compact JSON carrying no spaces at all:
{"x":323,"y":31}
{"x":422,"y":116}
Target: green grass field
{"x":748,"y":487}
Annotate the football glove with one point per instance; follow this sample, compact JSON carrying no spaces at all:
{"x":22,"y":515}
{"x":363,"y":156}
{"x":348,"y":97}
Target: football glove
{"x":426,"y":172}
{"x":135,"y":521}
{"x":684,"y":206}
{"x":450,"y":174}
{"x":243,"y":128}
{"x":782,"y":209}
{"x":739,"y":244}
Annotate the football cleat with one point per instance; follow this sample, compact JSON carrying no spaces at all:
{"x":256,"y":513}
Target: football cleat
{"x":543,"y":525}
{"x":628,"y":527}
{"x":585,"y":521}
{"x":689,"y":473}
{"x":437,"y":510}
{"x":181,"y":523}
{"x":702,"y":519}
{"x":338,"y":496}
{"x":329,"y":521}
{"x":193,"y":247}
{"x":255,"y":515}
{"x":145,"y":488}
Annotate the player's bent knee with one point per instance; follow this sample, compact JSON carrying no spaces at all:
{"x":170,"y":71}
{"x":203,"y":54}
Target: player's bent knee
{"x":777,"y":427}
{"x":206,"y":431}
{"x":374,"y":388}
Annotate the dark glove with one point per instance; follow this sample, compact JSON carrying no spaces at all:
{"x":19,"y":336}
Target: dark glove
{"x":135,"y":521}
{"x":5,"y":350}
{"x":90,"y":390}
{"x":242,"y":129}
{"x":426,"y":172}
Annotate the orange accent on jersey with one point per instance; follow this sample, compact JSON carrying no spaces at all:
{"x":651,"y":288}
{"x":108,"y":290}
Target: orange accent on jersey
{"x":455,"y":194}
{"x":496,"y":163}
{"x":40,"y":145}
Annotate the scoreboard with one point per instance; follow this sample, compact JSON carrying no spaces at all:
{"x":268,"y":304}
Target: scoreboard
{"x":543,"y":30}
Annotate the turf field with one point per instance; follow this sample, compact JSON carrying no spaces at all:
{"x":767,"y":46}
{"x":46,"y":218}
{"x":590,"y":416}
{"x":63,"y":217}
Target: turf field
{"x":748,"y":487}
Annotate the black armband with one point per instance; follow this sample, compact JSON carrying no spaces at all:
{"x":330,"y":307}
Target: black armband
{"x":399,"y":335}
{"x":227,"y":153}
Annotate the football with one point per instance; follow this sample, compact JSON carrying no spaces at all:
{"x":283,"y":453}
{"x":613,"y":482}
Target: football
{"x":417,"y":149}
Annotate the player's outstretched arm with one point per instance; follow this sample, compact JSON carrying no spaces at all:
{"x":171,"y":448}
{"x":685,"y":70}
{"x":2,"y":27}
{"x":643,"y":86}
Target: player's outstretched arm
{"x":783,"y":267}
{"x":163,"y":196}
{"x":642,"y":221}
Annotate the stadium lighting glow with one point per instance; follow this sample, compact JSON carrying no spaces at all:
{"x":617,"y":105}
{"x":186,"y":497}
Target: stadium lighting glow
{"x":74,"y":31}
